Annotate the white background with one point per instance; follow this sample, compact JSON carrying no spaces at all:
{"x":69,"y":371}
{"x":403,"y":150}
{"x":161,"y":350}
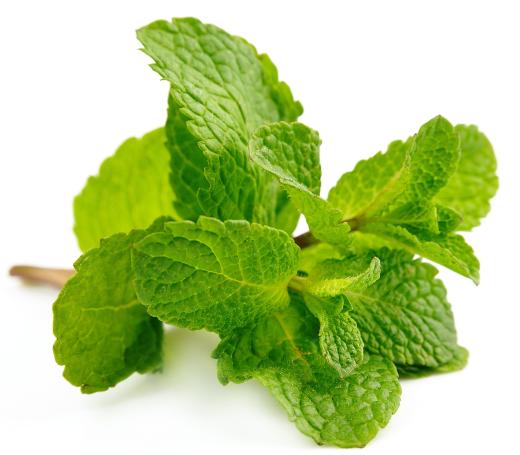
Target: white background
{"x":73,"y":86}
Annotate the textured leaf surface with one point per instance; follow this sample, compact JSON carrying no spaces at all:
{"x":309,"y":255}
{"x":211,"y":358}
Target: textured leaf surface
{"x":214,"y":275}
{"x":471,"y":187}
{"x":130,"y":191}
{"x":333,"y":277}
{"x":450,"y":251}
{"x":313,"y":254}
{"x":396,"y":186}
{"x":405,"y":315}
{"x":221,"y":91}
{"x":373,"y":183}
{"x":103,"y":334}
{"x":433,"y":160}
{"x":458,"y":362}
{"x":340,"y":340}
{"x":290,"y":153}
{"x":282,"y":352}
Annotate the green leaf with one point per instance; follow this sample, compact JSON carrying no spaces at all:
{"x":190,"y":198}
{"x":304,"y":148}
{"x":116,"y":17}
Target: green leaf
{"x":409,"y":174}
{"x":340,"y":340}
{"x":313,"y":254}
{"x":103,"y":334}
{"x":282,"y":352}
{"x":374,"y":182}
{"x":450,"y":251}
{"x":433,"y":160}
{"x":212,"y":274}
{"x":131,"y":191}
{"x":405,"y":315}
{"x":447,"y":220}
{"x":333,"y":277}
{"x":471,"y":187}
{"x":290,"y":153}
{"x":221,"y":91}
{"x":458,"y":362}
{"x":419,"y":216}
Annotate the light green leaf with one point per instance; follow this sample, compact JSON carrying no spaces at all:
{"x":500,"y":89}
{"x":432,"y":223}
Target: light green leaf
{"x":103,"y":334}
{"x":396,"y":186}
{"x":411,"y":214}
{"x":458,"y":362}
{"x":474,"y":183}
{"x":333,"y":277}
{"x":450,"y":251}
{"x":373,"y":183}
{"x":447,"y":220}
{"x":405,"y":315}
{"x":281,"y":352}
{"x":314,"y":254}
{"x":433,"y":161}
{"x":290,"y":153}
{"x":340,"y":340}
{"x":221,"y":91}
{"x":131,"y":190}
{"x":214,"y":275}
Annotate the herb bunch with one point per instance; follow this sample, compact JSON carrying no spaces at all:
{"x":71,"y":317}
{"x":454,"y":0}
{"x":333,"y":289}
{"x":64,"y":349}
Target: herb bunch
{"x":191,"y":226}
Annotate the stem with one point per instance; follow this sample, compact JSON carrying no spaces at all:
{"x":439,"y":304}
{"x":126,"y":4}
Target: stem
{"x":305,"y":240}
{"x":42,"y":275}
{"x":297,"y":283}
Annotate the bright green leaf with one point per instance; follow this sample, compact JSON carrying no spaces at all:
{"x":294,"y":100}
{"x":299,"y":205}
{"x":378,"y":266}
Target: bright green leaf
{"x":214,"y":275}
{"x":281,"y":352}
{"x":221,"y":91}
{"x":373,"y":183}
{"x":103,"y":334}
{"x":474,"y":183}
{"x":290,"y":153}
{"x":434,"y":159}
{"x":333,"y":277}
{"x":405,"y":315}
{"x":340,"y":340}
{"x":457,"y":363}
{"x":450,"y":251}
{"x":131,"y":190}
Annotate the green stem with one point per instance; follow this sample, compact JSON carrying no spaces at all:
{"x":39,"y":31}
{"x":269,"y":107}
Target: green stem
{"x":297,"y":283}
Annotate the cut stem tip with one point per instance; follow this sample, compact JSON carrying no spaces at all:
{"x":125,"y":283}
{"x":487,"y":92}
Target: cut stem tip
{"x":42,"y":275}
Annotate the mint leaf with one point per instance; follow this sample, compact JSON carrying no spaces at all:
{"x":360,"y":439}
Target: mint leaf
{"x":212,"y":274}
{"x":405,"y":315}
{"x":290,"y":153}
{"x":433,"y":160}
{"x":373,"y":183}
{"x":103,"y":334}
{"x":448,"y":220}
{"x":131,"y":191}
{"x":474,"y":183}
{"x":450,"y":251}
{"x":340,"y":340}
{"x":333,"y":277}
{"x":281,"y":352}
{"x":313,"y":254}
{"x":458,"y":362}
{"x":410,"y":172}
{"x":221,"y":91}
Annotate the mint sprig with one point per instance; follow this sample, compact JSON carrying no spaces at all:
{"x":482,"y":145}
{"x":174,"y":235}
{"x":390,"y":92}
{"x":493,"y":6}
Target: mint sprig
{"x":191,"y":226}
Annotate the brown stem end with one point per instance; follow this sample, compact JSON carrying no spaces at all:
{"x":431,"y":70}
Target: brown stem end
{"x":42,"y":275}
